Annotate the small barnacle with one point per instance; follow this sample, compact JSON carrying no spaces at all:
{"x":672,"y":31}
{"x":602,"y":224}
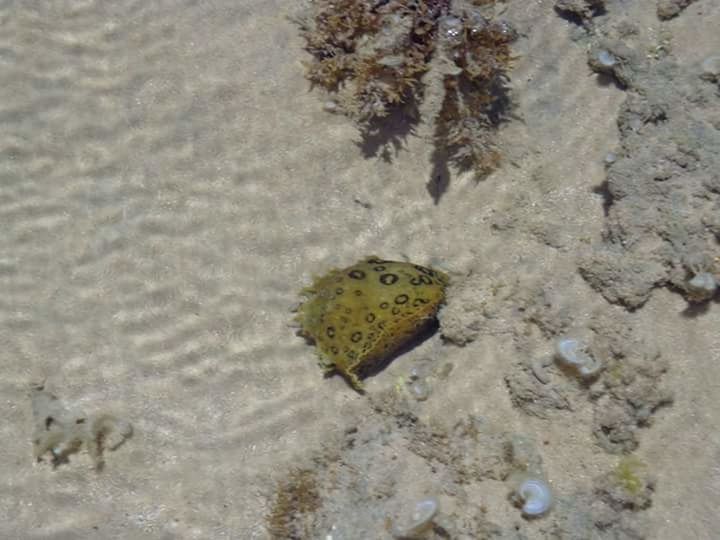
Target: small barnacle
{"x":362,"y":314}
{"x":419,"y":389}
{"x":420,"y":521}
{"x":603,"y":60}
{"x":573,"y":352}
{"x":613,"y":59}
{"x":701,"y":287}
{"x":533,"y":496}
{"x":610,"y":158}
{"x":530,"y":491}
{"x":710,"y":69}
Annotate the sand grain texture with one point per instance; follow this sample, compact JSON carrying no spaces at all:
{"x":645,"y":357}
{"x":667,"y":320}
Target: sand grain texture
{"x":168,"y":183}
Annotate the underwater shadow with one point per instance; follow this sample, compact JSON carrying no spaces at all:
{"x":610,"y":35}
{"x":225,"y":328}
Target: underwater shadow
{"x":603,"y":190}
{"x":385,"y":136}
{"x":696,"y":309}
{"x":467,"y":141}
{"x":426,"y":332}
{"x":593,"y":10}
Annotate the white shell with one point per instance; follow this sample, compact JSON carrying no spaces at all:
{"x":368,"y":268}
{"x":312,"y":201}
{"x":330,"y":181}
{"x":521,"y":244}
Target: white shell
{"x":422,"y":517}
{"x":536,"y":496}
{"x":572,"y":351}
{"x":703,"y":285}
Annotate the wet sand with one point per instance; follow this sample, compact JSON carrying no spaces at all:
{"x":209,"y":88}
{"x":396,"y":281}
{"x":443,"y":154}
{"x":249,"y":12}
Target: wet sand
{"x":170,"y":183}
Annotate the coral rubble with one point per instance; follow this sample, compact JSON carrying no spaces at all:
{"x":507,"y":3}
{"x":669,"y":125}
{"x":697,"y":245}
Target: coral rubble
{"x":663,"y":189}
{"x":378,"y":58}
{"x":583,"y":10}
{"x":667,"y":9}
{"x":61,"y":432}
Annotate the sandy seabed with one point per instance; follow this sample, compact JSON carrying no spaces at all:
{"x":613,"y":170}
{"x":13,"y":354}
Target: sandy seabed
{"x":168,"y":183}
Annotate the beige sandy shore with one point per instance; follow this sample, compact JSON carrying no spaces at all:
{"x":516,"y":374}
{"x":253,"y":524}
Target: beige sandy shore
{"x":168,"y":183}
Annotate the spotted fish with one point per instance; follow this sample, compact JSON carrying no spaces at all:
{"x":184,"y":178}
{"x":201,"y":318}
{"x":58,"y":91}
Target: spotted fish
{"x":363,"y":313}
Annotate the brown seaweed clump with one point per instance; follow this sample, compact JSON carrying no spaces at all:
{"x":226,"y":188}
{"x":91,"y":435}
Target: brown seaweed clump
{"x":297,"y":499}
{"x":378,"y":59}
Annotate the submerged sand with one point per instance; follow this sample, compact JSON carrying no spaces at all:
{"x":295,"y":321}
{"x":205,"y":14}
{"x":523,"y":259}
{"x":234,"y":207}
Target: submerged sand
{"x":169,"y":184}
